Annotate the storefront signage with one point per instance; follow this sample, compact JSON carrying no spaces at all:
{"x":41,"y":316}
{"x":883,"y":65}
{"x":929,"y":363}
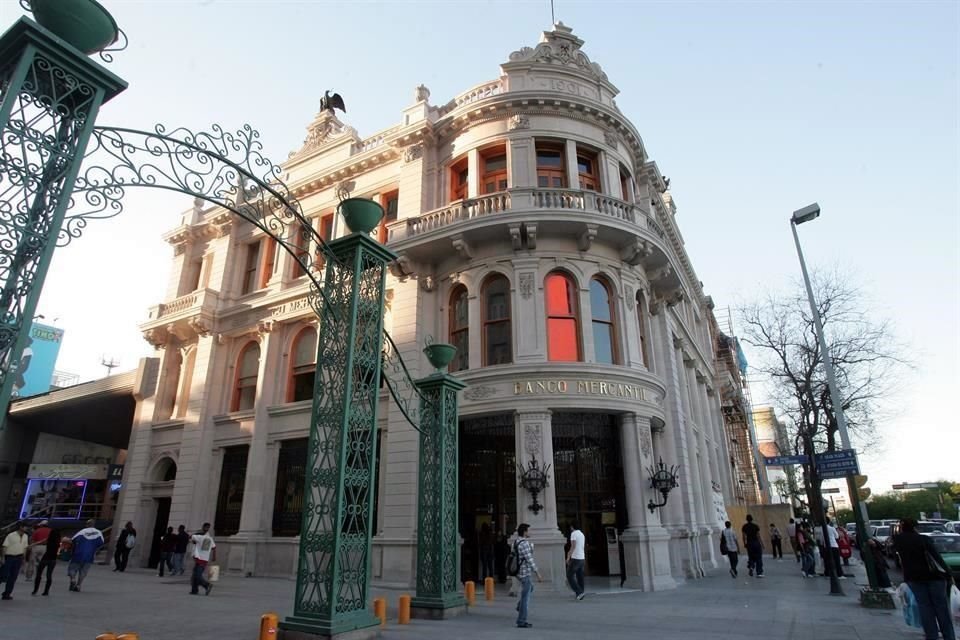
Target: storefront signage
{"x":301,"y":304}
{"x":67,"y":471}
{"x":579,"y":387}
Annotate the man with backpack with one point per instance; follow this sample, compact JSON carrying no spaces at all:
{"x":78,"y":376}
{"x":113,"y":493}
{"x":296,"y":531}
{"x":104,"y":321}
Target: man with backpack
{"x":521,"y":561}
{"x":128,"y":538}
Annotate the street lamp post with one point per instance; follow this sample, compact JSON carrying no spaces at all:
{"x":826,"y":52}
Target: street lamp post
{"x":873,"y":596}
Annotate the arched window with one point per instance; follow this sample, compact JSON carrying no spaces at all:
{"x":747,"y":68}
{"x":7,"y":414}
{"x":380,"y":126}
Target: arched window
{"x":303,"y":366}
{"x":604,"y":327}
{"x":245,"y":389}
{"x":563,"y":322}
{"x":497,"y":333}
{"x":642,"y":324}
{"x":459,"y":329}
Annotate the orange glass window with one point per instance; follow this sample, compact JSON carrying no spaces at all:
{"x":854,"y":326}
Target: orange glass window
{"x":494,"y":175}
{"x":326,"y":232}
{"x":269,"y":249}
{"x":497,"y":331}
{"x":301,"y":242}
{"x":602,"y":319}
{"x":250,"y":265}
{"x":303,"y":366}
{"x":587,"y":170}
{"x":245,"y":389}
{"x":625,"y":185}
{"x":460,"y":329}
{"x":391,"y":206}
{"x":563,"y":330}
{"x":550,"y":167}
{"x":459,"y":177}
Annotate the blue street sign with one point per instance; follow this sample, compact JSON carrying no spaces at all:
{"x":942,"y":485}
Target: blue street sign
{"x":781,"y":461}
{"x":837,"y":464}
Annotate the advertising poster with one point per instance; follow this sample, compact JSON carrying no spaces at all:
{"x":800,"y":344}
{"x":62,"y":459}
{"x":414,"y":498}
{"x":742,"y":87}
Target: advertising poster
{"x":35,"y":370}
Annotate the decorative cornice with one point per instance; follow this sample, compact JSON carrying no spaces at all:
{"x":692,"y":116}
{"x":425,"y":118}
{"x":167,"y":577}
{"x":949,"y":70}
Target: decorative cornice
{"x":559,"y":48}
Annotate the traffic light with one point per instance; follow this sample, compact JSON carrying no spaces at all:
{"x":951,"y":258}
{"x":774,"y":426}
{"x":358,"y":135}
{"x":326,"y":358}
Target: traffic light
{"x":864,"y":493}
{"x":860,"y":480}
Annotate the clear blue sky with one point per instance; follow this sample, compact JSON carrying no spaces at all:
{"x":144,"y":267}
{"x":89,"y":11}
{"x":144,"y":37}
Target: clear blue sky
{"x":752,"y":109}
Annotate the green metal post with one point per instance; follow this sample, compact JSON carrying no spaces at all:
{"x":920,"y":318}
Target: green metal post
{"x":333,"y":588}
{"x":50,"y":94}
{"x":438,"y":584}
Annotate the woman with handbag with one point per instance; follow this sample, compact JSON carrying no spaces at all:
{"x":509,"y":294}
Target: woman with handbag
{"x":927,"y":575}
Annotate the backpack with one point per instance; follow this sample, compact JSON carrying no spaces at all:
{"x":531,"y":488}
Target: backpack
{"x":514,"y":560}
{"x":724,"y":549}
{"x":130,"y":541}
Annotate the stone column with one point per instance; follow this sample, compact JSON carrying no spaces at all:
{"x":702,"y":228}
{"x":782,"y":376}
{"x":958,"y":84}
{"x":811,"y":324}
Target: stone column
{"x":645,"y":543}
{"x":251,"y":532}
{"x":528,"y":323}
{"x":534,"y":438}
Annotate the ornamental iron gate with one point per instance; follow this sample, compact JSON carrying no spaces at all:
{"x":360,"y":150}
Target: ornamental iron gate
{"x":50,"y":95}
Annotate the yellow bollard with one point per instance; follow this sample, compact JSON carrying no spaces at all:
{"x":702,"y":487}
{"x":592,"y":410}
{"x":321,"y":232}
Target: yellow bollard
{"x":470,"y":592}
{"x":106,"y":636}
{"x":268,"y":627}
{"x":488,"y":590}
{"x":403,"y":610}
{"x":380,"y":610}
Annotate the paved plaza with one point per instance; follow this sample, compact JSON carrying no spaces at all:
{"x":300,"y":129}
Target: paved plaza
{"x":783,"y":605}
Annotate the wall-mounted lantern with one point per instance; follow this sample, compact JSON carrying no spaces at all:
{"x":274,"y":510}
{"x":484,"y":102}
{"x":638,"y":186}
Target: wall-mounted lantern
{"x":663,"y":480}
{"x":534,"y":480}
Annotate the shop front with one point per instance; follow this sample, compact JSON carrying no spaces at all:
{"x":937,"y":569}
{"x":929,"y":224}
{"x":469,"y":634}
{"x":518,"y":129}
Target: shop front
{"x":71,"y":491}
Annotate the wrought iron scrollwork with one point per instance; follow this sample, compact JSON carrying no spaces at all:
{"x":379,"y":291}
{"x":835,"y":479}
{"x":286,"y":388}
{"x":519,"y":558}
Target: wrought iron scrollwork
{"x":225,"y":168}
{"x":400,"y":383}
{"x":105,"y":54}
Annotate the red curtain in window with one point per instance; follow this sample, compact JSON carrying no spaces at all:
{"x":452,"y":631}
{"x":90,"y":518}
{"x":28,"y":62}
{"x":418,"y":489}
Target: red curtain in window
{"x":563,"y":331}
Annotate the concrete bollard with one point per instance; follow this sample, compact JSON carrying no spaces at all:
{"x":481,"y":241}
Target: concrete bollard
{"x":470,"y":592}
{"x":268,"y":626}
{"x":403,"y":612}
{"x":488,"y":589}
{"x":380,"y":610}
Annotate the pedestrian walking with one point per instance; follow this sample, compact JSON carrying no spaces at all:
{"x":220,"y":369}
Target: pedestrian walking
{"x":125,"y":543}
{"x":514,"y":580}
{"x":38,"y":542}
{"x":792,"y":535}
{"x":806,"y":545}
{"x":180,"y":550}
{"x":846,"y":547}
{"x":168,"y":545}
{"x":754,"y":546}
{"x":204,"y":552}
{"x":833,"y":542}
{"x":928,"y":577}
{"x":85,"y":544}
{"x":485,"y":540}
{"x":47,"y":560}
{"x":730,"y":547}
{"x":576,"y":558}
{"x":776,"y":542}
{"x":527,"y":569}
{"x":14,"y":549}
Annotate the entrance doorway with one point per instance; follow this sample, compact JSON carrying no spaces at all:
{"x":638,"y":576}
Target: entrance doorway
{"x":488,"y":491}
{"x":159,"y":528}
{"x":589,"y":484}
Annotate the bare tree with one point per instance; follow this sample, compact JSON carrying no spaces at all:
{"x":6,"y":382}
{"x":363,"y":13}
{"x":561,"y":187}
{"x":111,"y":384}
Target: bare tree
{"x":866,"y":356}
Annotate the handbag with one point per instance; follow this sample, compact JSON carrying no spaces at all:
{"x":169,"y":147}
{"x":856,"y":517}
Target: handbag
{"x":724,"y":549}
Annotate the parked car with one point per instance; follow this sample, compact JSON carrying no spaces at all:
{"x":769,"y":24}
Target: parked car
{"x":882,"y":534}
{"x":953,"y":526}
{"x":948,"y":544}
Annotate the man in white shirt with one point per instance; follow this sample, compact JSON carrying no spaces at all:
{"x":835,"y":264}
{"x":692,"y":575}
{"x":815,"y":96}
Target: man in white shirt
{"x":14,"y":547}
{"x":833,"y":543}
{"x":575,"y":559}
{"x":204,"y":552}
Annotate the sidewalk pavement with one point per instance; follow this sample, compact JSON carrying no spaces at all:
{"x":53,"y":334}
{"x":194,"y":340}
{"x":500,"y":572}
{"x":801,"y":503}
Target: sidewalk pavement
{"x":781,"y":606}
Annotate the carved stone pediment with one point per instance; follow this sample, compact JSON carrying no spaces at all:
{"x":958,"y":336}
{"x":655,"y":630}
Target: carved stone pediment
{"x":325,"y":128}
{"x":561,"y":48}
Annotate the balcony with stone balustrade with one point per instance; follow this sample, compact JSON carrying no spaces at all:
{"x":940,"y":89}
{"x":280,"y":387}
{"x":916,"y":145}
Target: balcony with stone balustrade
{"x":524,"y":214}
{"x":190,"y":313}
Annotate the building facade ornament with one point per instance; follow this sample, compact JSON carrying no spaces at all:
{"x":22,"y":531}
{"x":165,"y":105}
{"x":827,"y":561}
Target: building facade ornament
{"x":533,"y":438}
{"x":421,"y":93}
{"x":428,"y":283}
{"x":479,"y":392}
{"x":518,"y":121}
{"x":560,"y":47}
{"x":646,"y":442}
{"x":611,"y":137}
{"x":412,"y":153}
{"x":526,"y":285}
{"x":199,"y":325}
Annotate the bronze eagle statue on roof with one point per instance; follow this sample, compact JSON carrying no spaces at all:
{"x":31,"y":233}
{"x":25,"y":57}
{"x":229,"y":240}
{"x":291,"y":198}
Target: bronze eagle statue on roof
{"x":330,"y":102}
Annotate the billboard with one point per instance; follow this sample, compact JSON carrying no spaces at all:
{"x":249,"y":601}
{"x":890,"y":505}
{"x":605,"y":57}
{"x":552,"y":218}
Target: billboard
{"x":35,"y":371}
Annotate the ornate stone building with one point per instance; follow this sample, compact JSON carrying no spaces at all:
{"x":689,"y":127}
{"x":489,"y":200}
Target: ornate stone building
{"x":534,"y":232}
